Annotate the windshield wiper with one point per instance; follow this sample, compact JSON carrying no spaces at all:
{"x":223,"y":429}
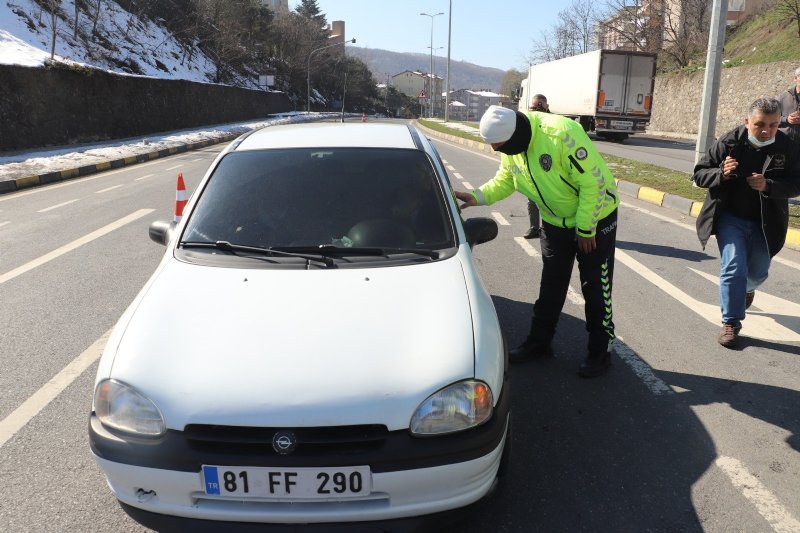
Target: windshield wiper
{"x":330,"y":249}
{"x":226,"y":246}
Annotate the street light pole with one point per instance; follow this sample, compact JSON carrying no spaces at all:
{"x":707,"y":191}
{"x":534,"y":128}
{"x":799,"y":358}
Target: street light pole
{"x":308,"y":72}
{"x":430,"y":74}
{"x":433,"y":80}
{"x":447,"y":85}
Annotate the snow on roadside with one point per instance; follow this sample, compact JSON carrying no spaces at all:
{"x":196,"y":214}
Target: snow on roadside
{"x":40,"y":162}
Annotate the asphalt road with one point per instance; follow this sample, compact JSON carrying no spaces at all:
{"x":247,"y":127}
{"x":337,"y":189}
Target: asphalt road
{"x":681,"y":435}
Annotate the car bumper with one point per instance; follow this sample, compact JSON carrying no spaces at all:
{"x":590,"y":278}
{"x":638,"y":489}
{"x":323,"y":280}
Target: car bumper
{"x":423,"y":479}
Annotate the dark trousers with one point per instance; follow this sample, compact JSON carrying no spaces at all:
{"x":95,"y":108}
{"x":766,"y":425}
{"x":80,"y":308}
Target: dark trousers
{"x":533,"y":214}
{"x":559,"y":250}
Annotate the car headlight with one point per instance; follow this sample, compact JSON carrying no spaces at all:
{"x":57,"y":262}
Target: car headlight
{"x":454,"y":408}
{"x":121,"y":407}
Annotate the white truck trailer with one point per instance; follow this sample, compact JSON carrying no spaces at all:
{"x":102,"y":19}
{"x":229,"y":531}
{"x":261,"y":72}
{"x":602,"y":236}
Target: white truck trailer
{"x":609,"y":92}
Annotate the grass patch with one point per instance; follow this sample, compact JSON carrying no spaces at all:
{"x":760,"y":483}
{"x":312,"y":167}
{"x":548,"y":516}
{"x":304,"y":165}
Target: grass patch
{"x":440,"y":127}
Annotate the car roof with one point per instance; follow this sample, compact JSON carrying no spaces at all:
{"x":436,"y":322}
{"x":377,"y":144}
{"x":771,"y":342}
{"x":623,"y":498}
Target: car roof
{"x":330,"y":134}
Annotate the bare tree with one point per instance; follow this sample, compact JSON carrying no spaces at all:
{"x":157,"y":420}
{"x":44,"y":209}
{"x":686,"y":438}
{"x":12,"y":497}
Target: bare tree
{"x":791,"y":10}
{"x":573,"y":33}
{"x":631,"y":24}
{"x":96,"y":16}
{"x":685,"y":29}
{"x":52,"y":7}
{"x":77,"y":16}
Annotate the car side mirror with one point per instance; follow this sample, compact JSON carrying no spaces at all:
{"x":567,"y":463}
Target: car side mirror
{"x":161,"y":231}
{"x":480,"y":230}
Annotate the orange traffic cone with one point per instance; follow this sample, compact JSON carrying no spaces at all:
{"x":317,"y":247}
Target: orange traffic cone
{"x":180,"y":199}
{"x":363,"y":117}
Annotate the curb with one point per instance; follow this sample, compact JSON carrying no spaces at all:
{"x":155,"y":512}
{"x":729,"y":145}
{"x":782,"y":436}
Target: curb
{"x":35,"y":180}
{"x":646,"y":194}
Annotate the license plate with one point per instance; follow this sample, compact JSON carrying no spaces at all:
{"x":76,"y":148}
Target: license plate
{"x":621,"y":124}
{"x":295,"y":483}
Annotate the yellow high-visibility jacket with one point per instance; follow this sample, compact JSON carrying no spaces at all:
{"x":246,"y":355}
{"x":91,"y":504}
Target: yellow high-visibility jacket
{"x":561,"y":171}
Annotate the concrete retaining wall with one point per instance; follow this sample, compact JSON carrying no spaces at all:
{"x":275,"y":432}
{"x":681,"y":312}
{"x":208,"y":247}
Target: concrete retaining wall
{"x":57,"y":105}
{"x":677,"y":97}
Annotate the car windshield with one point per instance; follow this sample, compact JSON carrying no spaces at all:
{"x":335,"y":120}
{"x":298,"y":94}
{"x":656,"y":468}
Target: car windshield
{"x":337,"y":197}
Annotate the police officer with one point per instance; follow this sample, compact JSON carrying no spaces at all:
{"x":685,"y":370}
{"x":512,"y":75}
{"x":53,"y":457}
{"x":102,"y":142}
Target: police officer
{"x":538,"y":103}
{"x":550,"y":160}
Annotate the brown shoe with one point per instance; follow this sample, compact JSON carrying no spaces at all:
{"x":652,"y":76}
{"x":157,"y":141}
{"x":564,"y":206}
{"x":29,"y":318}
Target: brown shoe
{"x":748,"y":299}
{"x":729,"y":335}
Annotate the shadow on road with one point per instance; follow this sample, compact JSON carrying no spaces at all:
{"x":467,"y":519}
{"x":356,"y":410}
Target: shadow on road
{"x":665,"y":251}
{"x":592,"y":455}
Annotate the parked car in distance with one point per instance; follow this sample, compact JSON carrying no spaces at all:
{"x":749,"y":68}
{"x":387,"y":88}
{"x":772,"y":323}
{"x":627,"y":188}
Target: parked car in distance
{"x":315,"y":346}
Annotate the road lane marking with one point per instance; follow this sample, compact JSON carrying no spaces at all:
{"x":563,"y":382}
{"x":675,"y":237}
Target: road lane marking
{"x":500,"y":219}
{"x":764,"y":501}
{"x":173,"y":168}
{"x":144,"y":177}
{"x":764,"y":326}
{"x":101,"y":191}
{"x":451,"y":168}
{"x":467,"y":185}
{"x":69,"y":183}
{"x":444,"y":161}
{"x":11,"y":274}
{"x":572,"y":295}
{"x":197,"y":159}
{"x":641,"y":368}
{"x":46,"y":209}
{"x":459,"y":176}
{"x":693,"y":229}
{"x":4,"y":223}
{"x":23,"y":414}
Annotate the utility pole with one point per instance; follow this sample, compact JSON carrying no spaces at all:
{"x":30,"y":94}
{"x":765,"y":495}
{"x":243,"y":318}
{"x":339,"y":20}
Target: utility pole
{"x":708,"y":107}
{"x":430,"y":74}
{"x":447,"y":84}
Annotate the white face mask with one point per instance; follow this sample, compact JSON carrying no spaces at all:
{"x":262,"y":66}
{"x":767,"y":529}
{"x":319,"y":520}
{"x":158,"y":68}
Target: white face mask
{"x":752,"y":139}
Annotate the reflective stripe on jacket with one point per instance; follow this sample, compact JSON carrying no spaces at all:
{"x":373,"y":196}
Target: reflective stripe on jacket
{"x":561,"y":171}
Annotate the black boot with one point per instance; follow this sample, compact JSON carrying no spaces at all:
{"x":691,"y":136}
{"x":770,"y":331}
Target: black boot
{"x":532,"y":233}
{"x":529,"y":350}
{"x":596,"y":364}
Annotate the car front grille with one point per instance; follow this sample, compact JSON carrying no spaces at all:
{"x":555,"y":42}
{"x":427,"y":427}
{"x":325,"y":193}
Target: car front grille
{"x":310,"y":441}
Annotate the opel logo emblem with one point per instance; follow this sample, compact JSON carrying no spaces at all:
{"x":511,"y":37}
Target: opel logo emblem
{"x":284,"y":442}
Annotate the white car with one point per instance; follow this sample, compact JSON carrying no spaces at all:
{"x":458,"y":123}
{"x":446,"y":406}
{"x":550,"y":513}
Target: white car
{"x":315,"y":347}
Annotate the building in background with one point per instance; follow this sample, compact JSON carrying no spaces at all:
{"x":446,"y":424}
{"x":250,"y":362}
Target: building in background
{"x":417,"y":84}
{"x":475,"y":102}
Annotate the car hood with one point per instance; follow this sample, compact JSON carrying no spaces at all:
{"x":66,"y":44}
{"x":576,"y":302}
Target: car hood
{"x":290,"y":348}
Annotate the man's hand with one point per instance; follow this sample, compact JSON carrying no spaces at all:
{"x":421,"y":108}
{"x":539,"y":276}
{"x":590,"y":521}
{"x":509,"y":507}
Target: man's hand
{"x":729,"y":166}
{"x":467,"y":198}
{"x":758,"y":182}
{"x":793,"y":118}
{"x":586,"y":245}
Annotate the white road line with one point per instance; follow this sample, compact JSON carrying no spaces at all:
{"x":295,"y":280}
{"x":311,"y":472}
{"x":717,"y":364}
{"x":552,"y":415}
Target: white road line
{"x":693,"y":229}
{"x":500,"y":219}
{"x":763,"y":325}
{"x":107,"y":189}
{"x":444,"y":161}
{"x":57,"y":206}
{"x":70,"y":183}
{"x":144,"y":177}
{"x":11,"y":274}
{"x":459,"y":176}
{"x":173,"y":168}
{"x":23,"y":414}
{"x":765,"y":502}
{"x":4,"y":223}
{"x":641,"y":368}
{"x":195,"y":160}
{"x":572,"y":295}
{"x":451,"y":168}
{"x":467,"y":185}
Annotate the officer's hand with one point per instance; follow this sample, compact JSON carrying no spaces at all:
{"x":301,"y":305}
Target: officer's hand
{"x":793,"y":118}
{"x":757,"y":182}
{"x":467,"y":198}
{"x":586,"y":244}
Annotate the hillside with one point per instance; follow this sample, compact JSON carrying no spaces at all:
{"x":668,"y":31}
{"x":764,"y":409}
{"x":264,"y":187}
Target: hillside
{"x":765,"y":38}
{"x":463,"y":75}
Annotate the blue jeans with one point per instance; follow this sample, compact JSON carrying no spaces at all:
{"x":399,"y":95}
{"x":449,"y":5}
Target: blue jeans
{"x":745,"y":264}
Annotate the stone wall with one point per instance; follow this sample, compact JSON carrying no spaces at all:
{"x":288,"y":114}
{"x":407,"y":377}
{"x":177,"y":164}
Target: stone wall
{"x":60,"y":105}
{"x":677,"y":97}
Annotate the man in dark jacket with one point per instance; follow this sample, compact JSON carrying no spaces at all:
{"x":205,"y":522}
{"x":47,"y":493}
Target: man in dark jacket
{"x":749,"y":173}
{"x":790,"y":109}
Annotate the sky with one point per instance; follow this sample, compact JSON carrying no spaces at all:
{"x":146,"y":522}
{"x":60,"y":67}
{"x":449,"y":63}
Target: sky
{"x":497,"y":33}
